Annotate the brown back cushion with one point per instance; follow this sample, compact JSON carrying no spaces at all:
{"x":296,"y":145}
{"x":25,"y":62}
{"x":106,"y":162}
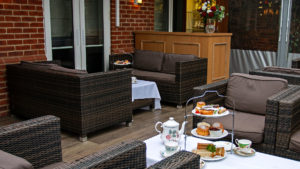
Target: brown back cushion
{"x":250,"y":92}
{"x":148,"y":60}
{"x":9,"y":161}
{"x":170,"y":60}
{"x":67,"y":70}
{"x":37,"y":65}
{"x":282,"y":70}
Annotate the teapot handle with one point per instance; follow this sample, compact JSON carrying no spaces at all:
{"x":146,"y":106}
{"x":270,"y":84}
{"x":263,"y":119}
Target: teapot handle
{"x":156,"y":127}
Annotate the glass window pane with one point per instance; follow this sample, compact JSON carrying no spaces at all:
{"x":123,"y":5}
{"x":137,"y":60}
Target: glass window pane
{"x":94,"y":35}
{"x":161,"y":15}
{"x":294,"y":45}
{"x":254,"y":24}
{"x":62,"y":31}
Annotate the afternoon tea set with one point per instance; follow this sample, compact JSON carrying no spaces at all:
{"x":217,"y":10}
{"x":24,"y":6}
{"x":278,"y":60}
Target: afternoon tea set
{"x":171,"y":134}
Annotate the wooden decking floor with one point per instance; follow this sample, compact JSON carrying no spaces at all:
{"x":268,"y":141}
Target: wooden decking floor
{"x":142,"y":128}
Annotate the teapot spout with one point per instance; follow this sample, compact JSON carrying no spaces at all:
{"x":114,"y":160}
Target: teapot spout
{"x":182,"y":128}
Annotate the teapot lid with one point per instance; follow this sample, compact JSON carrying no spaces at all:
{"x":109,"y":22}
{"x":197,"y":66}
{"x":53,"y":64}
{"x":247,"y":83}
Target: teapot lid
{"x":171,"y":122}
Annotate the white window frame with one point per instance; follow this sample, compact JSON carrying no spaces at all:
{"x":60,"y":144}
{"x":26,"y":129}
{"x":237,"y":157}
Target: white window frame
{"x":79,"y":33}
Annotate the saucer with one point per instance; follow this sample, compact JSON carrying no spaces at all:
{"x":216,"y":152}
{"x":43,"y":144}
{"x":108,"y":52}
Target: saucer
{"x":202,"y":164}
{"x":165,"y":154}
{"x":241,"y":153}
{"x":226,"y":144}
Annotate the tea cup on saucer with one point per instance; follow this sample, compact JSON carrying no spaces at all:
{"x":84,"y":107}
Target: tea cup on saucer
{"x":133,"y":79}
{"x":244,"y":145}
{"x":171,"y":147}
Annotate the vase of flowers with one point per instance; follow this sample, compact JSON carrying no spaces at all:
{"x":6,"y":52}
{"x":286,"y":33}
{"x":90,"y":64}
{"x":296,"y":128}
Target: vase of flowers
{"x":211,"y":13}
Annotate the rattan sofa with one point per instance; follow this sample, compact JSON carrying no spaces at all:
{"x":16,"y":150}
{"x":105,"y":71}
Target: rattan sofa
{"x":268,"y":142}
{"x":85,"y":102}
{"x":39,"y":142}
{"x":174,"y":74}
{"x":290,"y":74}
{"x":288,"y":130}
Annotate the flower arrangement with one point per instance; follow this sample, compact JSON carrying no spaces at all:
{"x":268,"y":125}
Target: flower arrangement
{"x":209,"y":9}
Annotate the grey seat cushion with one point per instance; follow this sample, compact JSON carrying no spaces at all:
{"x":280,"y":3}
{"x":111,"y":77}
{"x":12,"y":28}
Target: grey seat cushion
{"x":282,"y":70}
{"x":148,"y":60}
{"x":170,"y":60}
{"x":10,"y":161}
{"x":246,"y":125}
{"x":154,"y":76}
{"x":295,"y":142}
{"x":250,"y":92}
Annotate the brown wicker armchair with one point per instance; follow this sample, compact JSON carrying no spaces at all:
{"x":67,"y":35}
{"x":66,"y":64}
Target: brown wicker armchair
{"x":291,"y":75}
{"x":288,"y":130}
{"x":85,"y":102}
{"x":38,"y":141}
{"x":244,"y":127}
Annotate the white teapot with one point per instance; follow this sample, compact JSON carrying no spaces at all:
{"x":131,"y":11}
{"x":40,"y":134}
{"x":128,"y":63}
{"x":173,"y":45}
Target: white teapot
{"x":171,"y":130}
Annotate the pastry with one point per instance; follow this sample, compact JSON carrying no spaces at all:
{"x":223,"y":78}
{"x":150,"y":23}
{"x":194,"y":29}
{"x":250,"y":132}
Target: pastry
{"x":207,"y":112}
{"x":203,"y":129}
{"x":200,"y":104}
{"x":222,"y":110}
{"x":203,"y":145}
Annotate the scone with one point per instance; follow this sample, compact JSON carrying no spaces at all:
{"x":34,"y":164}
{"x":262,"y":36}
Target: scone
{"x":203,"y":129}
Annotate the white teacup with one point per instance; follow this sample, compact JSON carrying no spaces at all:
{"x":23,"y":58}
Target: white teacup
{"x":244,"y":145}
{"x":171,"y":147}
{"x":133,"y":79}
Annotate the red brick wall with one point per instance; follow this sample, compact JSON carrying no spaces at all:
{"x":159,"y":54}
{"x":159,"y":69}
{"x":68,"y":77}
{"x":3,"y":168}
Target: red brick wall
{"x":21,"y":38}
{"x":132,"y":18}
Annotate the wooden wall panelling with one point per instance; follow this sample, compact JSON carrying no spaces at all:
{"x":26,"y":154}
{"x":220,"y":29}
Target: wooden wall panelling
{"x":186,"y":48}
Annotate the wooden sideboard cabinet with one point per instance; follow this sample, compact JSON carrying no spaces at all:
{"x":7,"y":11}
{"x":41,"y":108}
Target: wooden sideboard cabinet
{"x":215,"y":47}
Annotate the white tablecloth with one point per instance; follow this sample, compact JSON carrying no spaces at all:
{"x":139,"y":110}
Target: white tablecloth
{"x":232,"y":161}
{"x":145,"y":90}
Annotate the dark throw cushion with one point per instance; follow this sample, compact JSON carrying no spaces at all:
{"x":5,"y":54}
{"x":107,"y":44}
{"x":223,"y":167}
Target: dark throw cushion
{"x":170,"y":60}
{"x":250,"y":92}
{"x":67,"y":70}
{"x":9,"y":161}
{"x":148,"y":60}
{"x":282,"y":70}
{"x":37,"y":65}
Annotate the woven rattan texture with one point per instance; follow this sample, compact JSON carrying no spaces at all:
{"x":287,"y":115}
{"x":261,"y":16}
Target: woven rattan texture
{"x":188,"y":74}
{"x":180,"y":160}
{"x":288,"y":123}
{"x":291,"y":78}
{"x":84,"y":102}
{"x":37,"y":140}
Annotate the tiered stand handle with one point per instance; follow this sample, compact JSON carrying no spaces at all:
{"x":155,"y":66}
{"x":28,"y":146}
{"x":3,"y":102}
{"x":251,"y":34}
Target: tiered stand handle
{"x":197,"y":97}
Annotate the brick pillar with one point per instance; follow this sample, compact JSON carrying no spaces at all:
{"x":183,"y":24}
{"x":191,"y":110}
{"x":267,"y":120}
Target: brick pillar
{"x":132,"y":18}
{"x":21,"y":38}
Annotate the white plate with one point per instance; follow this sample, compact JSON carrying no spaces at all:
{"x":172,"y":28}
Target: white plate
{"x":238,"y":152}
{"x":122,"y":64}
{"x":225,"y":144}
{"x":216,"y":158}
{"x":202,"y":164}
{"x":211,"y":116}
{"x":164,"y":154}
{"x":194,"y":133}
